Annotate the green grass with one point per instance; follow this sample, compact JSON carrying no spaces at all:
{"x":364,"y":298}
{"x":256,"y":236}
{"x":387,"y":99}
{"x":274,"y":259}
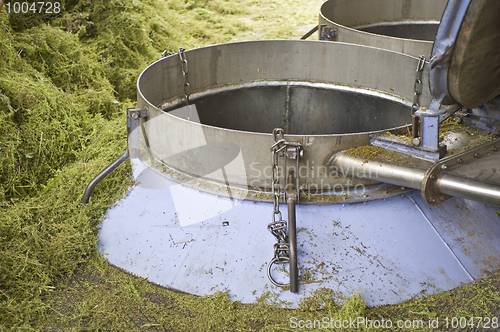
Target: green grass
{"x":65,"y":82}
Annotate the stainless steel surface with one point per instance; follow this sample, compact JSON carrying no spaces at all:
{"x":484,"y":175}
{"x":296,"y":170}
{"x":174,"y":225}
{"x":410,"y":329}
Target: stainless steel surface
{"x":329,"y":96}
{"x":390,"y":250}
{"x":447,"y":177}
{"x":468,"y":188}
{"x":381,"y":171}
{"x":301,"y":108}
{"x":402,"y":26}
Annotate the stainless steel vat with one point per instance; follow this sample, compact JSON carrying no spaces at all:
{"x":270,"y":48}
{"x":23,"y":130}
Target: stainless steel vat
{"x":326,"y":96}
{"x":407,"y":26}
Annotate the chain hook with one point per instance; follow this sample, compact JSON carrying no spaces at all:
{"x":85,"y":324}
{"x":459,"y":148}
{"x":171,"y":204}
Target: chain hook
{"x":279,"y":227}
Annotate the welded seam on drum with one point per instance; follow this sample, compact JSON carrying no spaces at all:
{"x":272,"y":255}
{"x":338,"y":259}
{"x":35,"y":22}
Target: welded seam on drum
{"x":442,"y":240}
{"x":287,"y":108}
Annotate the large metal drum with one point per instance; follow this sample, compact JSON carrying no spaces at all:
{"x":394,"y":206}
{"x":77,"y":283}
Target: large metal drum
{"x":326,"y":96}
{"x":407,"y":26}
{"x":207,"y":126}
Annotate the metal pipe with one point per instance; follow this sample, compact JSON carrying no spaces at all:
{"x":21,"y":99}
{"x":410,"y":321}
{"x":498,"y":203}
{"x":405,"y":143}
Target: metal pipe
{"x":348,"y":165}
{"x":448,"y":184}
{"x":292,"y":239}
{"x":102,"y":175}
{"x":468,"y":188}
{"x":308,"y":34}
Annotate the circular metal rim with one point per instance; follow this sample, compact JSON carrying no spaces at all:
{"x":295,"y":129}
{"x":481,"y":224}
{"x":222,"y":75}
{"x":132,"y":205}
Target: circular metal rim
{"x":391,"y":57}
{"x":413,"y":47}
{"x":430,"y":42}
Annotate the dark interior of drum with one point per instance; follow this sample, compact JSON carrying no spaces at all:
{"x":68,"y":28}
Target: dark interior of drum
{"x":301,"y":110}
{"x":418,"y":31}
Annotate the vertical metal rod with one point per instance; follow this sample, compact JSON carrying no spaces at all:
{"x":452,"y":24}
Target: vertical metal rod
{"x":292,"y":239}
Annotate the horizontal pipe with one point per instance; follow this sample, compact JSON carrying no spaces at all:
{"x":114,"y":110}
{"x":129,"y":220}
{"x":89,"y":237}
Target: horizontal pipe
{"x":467,"y":188}
{"x":413,"y":178}
{"x":384,"y":172}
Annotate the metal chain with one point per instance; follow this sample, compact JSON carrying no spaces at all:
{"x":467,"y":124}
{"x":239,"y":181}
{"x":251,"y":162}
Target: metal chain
{"x":417,"y":88}
{"x":278,"y":226}
{"x":184,"y":68}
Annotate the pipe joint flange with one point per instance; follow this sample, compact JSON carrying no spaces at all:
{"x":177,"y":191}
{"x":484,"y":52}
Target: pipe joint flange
{"x":430,"y":191}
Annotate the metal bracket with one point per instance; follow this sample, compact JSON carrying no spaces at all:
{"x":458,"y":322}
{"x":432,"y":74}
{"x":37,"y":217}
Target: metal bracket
{"x":133,"y":123}
{"x":293,"y":152}
{"x":429,"y":191}
{"x":425,"y":126}
{"x":397,"y":144}
{"x":425,"y":133}
{"x":327,"y":33}
{"x":424,"y":142}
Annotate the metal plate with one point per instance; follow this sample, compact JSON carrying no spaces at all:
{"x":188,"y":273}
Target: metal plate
{"x":389,"y":250}
{"x":465,"y":63}
{"x":474,"y":74}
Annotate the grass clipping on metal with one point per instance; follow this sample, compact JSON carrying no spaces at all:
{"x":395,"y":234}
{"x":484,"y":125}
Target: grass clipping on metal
{"x":65,"y":82}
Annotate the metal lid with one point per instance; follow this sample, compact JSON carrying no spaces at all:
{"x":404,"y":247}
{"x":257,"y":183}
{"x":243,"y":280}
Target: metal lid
{"x":465,"y":61}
